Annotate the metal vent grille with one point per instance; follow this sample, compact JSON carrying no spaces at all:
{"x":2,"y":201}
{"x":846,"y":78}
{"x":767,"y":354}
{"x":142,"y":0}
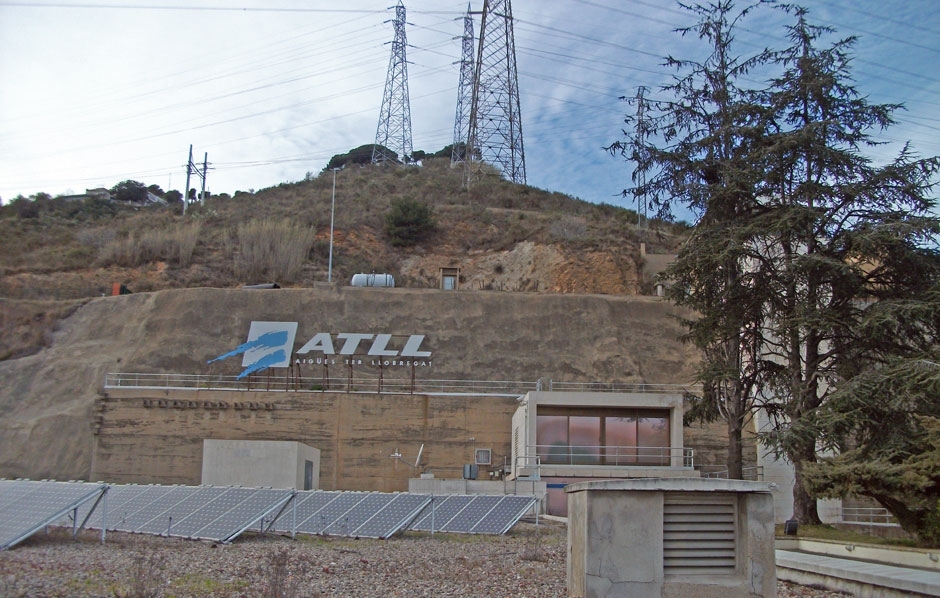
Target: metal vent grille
{"x":699,"y":534}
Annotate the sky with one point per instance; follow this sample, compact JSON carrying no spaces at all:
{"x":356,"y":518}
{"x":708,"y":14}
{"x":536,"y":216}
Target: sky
{"x":97,"y":92}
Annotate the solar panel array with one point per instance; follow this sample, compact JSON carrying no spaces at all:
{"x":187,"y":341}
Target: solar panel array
{"x":223,"y":513}
{"x":27,"y":506}
{"x":473,"y":514}
{"x":217,"y":513}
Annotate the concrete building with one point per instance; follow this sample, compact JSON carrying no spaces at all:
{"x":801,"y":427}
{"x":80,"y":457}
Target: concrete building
{"x":568,"y":437}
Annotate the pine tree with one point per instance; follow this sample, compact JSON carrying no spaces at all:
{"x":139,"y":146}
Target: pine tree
{"x":809,"y":265}
{"x":844,"y":241}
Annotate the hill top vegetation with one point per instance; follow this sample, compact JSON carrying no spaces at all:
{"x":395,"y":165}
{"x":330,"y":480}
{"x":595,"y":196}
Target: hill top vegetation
{"x":57,"y":251}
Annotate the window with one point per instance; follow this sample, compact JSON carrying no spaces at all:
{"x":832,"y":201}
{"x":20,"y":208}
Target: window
{"x":308,"y":475}
{"x":594,"y":436}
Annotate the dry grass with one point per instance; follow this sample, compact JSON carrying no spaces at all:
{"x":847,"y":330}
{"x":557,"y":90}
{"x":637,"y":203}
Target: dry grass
{"x":272,"y":251}
{"x":174,"y":244}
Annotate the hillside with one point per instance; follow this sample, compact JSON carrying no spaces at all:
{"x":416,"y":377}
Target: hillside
{"x":503,"y":237}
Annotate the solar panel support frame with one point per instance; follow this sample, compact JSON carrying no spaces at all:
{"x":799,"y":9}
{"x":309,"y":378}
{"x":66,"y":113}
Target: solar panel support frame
{"x":280,"y":504}
{"x":72,"y":507}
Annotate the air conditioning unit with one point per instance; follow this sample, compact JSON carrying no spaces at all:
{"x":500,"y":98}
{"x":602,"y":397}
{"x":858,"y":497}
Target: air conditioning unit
{"x":483,"y":456}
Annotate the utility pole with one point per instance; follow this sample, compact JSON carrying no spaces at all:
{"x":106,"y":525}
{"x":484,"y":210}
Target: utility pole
{"x":464,"y":93}
{"x":329,"y":268}
{"x":393,"y":134}
{"x":205,"y":171}
{"x":189,"y":171}
{"x":642,"y":128}
{"x":192,"y":169}
{"x":495,"y":117}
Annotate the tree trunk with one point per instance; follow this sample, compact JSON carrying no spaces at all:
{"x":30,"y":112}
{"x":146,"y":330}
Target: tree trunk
{"x":735,"y":442}
{"x":804,"y":505}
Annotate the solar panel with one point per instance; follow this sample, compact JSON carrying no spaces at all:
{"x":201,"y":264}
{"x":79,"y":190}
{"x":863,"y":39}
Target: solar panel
{"x":12,"y":493}
{"x":395,"y":516}
{"x":191,"y":500}
{"x":332,"y":513}
{"x":359,"y":514}
{"x":223,"y":513}
{"x":477,"y":510}
{"x":27,"y":506}
{"x":439,"y":512}
{"x":476,"y":514}
{"x":306,"y":504}
{"x":147,"y":506}
{"x":262,"y":504}
{"x":116,"y":501}
{"x":119,"y":515}
{"x":222,"y":503}
{"x":504,"y":515}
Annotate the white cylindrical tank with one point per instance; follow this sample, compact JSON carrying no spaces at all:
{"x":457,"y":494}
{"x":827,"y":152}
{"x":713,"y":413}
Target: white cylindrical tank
{"x":373,"y":280}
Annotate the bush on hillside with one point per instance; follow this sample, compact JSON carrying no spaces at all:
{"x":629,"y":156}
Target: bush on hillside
{"x":408,"y":222}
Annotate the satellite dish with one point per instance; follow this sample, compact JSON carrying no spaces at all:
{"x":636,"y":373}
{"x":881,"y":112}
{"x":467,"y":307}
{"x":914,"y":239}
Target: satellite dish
{"x":418,"y":460}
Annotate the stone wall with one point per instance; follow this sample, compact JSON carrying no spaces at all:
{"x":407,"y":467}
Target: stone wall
{"x":357,"y":434}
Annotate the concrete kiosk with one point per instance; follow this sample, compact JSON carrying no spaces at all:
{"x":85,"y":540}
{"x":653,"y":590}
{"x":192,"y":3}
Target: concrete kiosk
{"x":676,"y":537}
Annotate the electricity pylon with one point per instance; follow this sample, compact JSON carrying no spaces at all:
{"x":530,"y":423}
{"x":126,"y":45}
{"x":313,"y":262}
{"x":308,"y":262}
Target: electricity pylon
{"x":394,"y":131}
{"x":464,"y":93}
{"x":495,"y":118}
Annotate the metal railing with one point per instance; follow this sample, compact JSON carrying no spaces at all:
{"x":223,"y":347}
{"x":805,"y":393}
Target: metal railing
{"x":527,"y":467}
{"x":616,"y":456}
{"x":868,"y":515}
{"x":754,"y":473}
{"x":562,"y":386}
{"x":358,"y":383}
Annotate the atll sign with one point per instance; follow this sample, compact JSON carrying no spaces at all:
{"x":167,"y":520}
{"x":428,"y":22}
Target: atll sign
{"x":270,"y":344}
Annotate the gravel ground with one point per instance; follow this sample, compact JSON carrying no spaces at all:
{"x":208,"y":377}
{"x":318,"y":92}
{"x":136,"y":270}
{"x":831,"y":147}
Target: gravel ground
{"x":529,"y":561}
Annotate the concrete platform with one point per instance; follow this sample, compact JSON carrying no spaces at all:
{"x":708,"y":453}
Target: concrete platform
{"x":861,"y":578}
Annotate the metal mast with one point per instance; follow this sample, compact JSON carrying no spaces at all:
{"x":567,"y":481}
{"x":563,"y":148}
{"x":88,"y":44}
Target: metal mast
{"x":394,"y":130}
{"x":495,"y":118}
{"x":464,"y":93}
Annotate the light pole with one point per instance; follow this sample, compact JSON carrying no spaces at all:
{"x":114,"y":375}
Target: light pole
{"x":329,"y":271}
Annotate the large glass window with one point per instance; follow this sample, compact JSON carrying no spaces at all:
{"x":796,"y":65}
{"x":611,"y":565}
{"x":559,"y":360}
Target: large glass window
{"x":552,"y":434}
{"x":587,"y":436}
{"x":584,"y":438}
{"x":652,"y":435}
{"x":621,"y":440}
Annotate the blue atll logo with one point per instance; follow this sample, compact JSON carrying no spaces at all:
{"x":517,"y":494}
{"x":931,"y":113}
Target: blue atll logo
{"x":269,"y":345}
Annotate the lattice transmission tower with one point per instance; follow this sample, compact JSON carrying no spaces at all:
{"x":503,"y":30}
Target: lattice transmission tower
{"x":495,"y":118}
{"x":464,"y":93}
{"x":394,"y":130}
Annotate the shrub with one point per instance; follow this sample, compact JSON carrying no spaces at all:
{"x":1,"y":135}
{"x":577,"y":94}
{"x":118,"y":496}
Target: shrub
{"x":408,"y":222}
